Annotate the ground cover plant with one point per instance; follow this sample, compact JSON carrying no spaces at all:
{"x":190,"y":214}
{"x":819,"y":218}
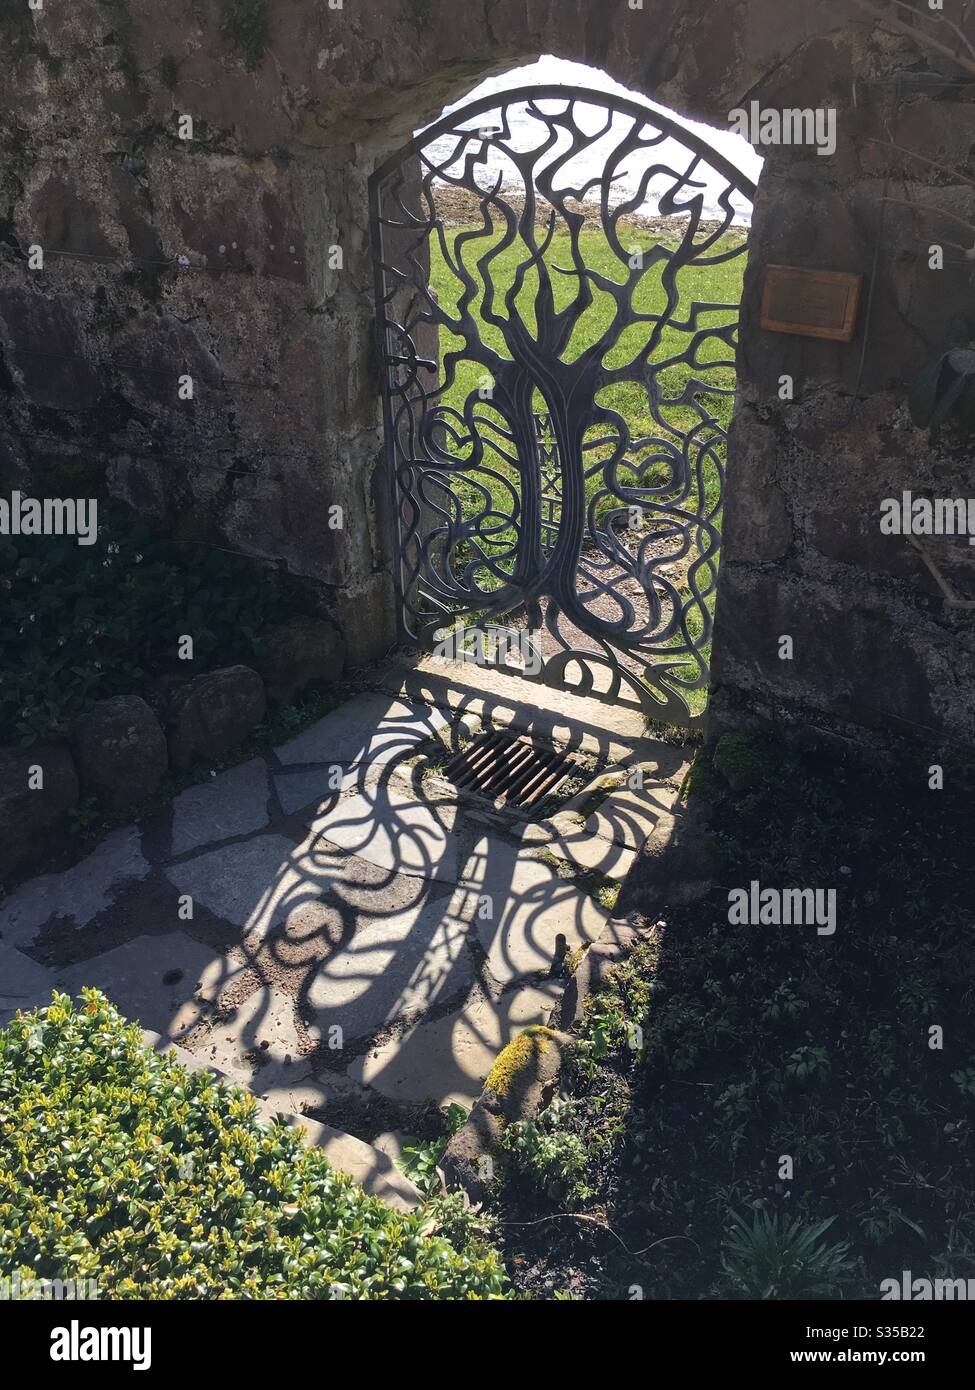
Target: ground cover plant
{"x":79,"y":623}
{"x":718,"y":1050}
{"x":119,"y":1166}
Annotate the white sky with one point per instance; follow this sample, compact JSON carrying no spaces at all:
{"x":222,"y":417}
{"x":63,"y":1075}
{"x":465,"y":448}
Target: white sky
{"x":548,"y":70}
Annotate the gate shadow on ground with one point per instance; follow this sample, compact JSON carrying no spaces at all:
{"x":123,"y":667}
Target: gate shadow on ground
{"x":399,"y":906}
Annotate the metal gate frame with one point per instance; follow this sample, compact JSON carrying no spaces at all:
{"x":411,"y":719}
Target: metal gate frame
{"x":656,"y":664}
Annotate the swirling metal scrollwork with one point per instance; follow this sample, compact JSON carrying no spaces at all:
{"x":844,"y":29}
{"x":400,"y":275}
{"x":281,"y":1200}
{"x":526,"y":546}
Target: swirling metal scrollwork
{"x":553,"y":439}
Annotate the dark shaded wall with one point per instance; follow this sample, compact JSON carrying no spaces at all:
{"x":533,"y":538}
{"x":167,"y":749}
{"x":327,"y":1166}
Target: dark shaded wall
{"x":293,"y":104}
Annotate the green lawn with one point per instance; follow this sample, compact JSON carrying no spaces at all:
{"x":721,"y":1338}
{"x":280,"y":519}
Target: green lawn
{"x":718,"y":284}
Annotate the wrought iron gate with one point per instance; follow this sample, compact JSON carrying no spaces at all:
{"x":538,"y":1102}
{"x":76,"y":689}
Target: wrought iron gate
{"x":555,"y":418}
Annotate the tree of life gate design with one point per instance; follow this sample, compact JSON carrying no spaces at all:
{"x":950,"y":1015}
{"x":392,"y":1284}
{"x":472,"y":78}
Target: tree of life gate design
{"x":557,"y":384}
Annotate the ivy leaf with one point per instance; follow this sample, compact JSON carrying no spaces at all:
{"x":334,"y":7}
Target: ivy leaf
{"x":945,"y":388}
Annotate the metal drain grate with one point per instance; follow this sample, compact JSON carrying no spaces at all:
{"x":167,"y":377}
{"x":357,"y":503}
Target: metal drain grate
{"x":509,"y":770}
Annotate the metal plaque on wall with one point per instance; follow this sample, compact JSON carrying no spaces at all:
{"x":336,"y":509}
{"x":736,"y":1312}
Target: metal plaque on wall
{"x":813,"y":303}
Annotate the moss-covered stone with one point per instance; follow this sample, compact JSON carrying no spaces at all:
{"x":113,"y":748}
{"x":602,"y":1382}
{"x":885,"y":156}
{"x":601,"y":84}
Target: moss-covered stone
{"x":743,"y":761}
{"x":244,"y":23}
{"x":514,"y":1060}
{"x":574,"y":959}
{"x":702,"y":784}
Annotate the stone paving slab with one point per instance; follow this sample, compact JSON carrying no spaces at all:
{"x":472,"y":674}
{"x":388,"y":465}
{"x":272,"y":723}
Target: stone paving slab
{"x":371,"y":1167}
{"x":392,"y":1142}
{"x":265,"y":882}
{"x":565,"y":837}
{"x":321,"y":787}
{"x":78,"y":894}
{"x":388,"y":826}
{"x":609,"y":732}
{"x":24,"y":985}
{"x":299,"y":1089}
{"x":261,"y":1033}
{"x":391,"y":967}
{"x":373,"y":728}
{"x":297,"y":790}
{"x":378,"y":910}
{"x":254,"y":884}
{"x":233,"y":803}
{"x":628,"y":816}
{"x":446,"y":1059}
{"x":151,"y":980}
{"x":521,"y":908}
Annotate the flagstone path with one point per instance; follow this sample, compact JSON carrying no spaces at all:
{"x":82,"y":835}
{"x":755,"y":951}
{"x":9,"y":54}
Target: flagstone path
{"x":332,"y":924}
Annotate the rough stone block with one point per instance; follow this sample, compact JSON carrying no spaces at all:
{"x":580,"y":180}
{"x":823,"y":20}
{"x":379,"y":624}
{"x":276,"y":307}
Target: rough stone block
{"x":215,"y":712}
{"x":60,"y":377}
{"x":32,"y":820}
{"x":234,"y":803}
{"x":369,"y":621}
{"x":121,"y":751}
{"x":471,"y":1154}
{"x":596,"y":965}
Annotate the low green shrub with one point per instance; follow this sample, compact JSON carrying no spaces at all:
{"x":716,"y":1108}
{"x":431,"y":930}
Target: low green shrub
{"x":419,"y":1161}
{"x":548,"y":1153}
{"x":119,"y":1166}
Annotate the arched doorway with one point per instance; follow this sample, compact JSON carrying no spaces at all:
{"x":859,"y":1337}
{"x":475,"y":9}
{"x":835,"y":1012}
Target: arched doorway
{"x":558,"y":376}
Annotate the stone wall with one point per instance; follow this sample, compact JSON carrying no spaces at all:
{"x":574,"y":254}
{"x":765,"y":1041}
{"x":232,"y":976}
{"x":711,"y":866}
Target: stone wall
{"x":212,"y":256}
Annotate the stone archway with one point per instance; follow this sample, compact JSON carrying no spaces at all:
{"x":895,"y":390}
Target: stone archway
{"x":292,"y":105}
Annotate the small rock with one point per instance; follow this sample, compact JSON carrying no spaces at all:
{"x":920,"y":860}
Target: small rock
{"x":121,"y":751}
{"x":463,"y":1163}
{"x":32,"y":820}
{"x":215,"y":712}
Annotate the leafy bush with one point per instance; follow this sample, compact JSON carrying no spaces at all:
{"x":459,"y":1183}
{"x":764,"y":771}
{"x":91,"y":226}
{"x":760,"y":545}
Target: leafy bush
{"x":78,"y":623}
{"x":419,"y":1161}
{"x":547,"y":1153}
{"x":453,"y":1217}
{"x":118,"y":1165}
{"x":777,"y":1258}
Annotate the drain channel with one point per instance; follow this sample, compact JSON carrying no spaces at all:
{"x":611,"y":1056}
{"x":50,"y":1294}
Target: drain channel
{"x":511,"y":771}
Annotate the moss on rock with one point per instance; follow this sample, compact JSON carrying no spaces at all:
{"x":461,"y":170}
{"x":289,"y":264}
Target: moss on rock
{"x":512,"y":1061}
{"x":701,"y":783}
{"x":244,"y":23}
{"x":743,"y":761}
